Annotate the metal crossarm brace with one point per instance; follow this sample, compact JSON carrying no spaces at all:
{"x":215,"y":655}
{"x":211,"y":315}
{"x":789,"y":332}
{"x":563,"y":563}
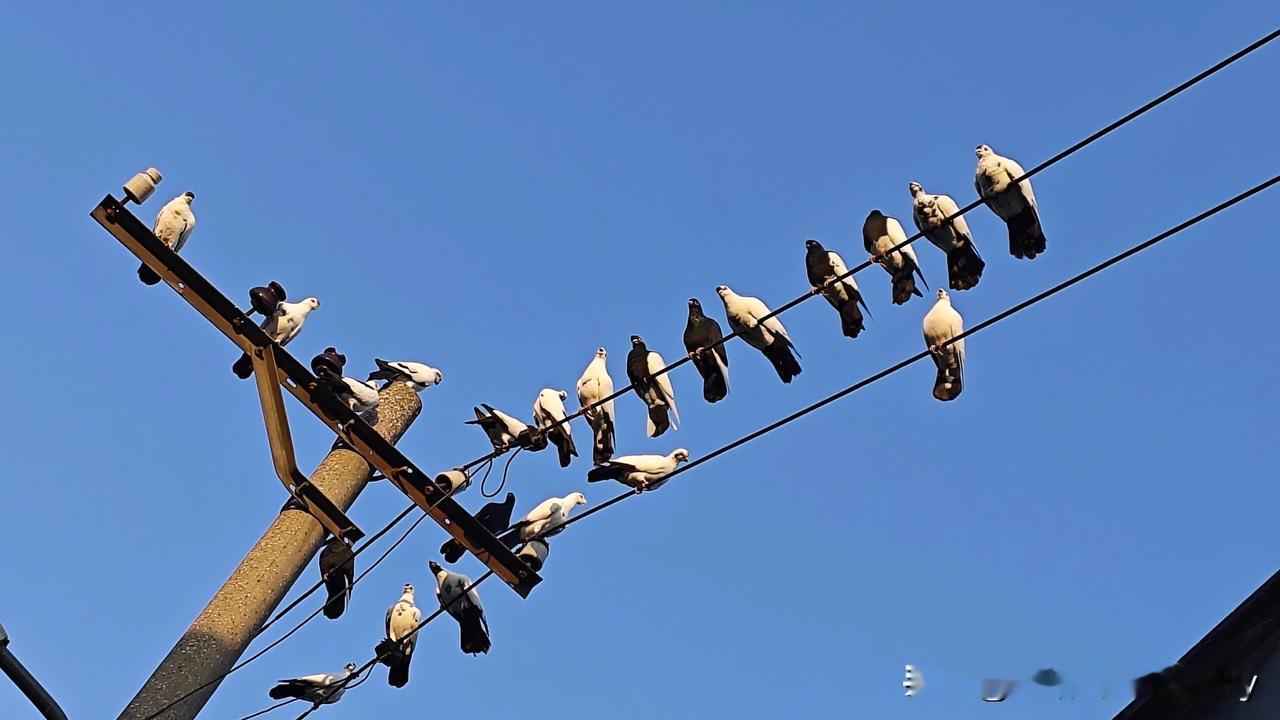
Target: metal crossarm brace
{"x":298,"y":380}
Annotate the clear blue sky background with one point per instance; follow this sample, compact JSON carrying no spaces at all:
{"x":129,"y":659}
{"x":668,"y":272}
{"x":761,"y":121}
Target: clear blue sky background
{"x":497,"y":191}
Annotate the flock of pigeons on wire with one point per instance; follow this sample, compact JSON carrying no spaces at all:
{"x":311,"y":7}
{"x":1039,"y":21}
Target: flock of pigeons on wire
{"x":936,"y":216}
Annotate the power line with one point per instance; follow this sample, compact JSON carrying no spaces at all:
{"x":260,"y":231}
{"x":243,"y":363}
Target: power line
{"x":264,"y":711}
{"x":1117,"y":124}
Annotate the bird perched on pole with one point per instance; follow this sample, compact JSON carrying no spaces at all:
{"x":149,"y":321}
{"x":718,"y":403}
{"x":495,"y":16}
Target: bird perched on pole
{"x":282,"y":326}
{"x":337,"y":569}
{"x":461,"y":601}
{"x":321,"y":688}
{"x":703,"y":341}
{"x":823,"y":266}
{"x":641,"y":472}
{"x":494,"y":517}
{"x":594,"y":386}
{"x":655,"y":390}
{"x":549,"y":415}
{"x":396,"y":651}
{"x":1015,"y":204}
{"x":767,"y":336}
{"x":939,"y":219}
{"x":173,"y":227}
{"x":941,"y":324}
{"x":414,"y":374}
{"x":544,"y":520}
{"x":880,"y":234}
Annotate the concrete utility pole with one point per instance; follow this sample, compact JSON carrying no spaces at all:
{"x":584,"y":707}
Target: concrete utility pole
{"x":221,"y":633}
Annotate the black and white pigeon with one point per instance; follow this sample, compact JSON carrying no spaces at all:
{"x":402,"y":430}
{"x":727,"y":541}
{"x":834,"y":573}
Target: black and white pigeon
{"x":321,"y":688}
{"x":938,"y":218}
{"x":880,"y":234}
{"x":360,"y":396}
{"x":548,"y":415}
{"x":543,"y":520}
{"x":1016,"y":205}
{"x":396,"y":651}
{"x":503,"y":430}
{"x":494,"y":517}
{"x":823,"y":267}
{"x":702,"y":340}
{"x":595,"y":385}
{"x":282,"y":326}
{"x":415,"y":374}
{"x":641,"y":472}
{"x":769,"y":336}
{"x":465,"y":607}
{"x":656,"y":391}
{"x":173,"y":227}
{"x":337,"y":570}
{"x":942,"y":323}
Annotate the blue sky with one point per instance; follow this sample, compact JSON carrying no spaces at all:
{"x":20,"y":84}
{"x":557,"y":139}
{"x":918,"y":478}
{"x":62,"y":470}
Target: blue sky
{"x":499,"y":190}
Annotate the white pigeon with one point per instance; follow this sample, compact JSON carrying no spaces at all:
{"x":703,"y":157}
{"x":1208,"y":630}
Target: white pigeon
{"x":769,"y":337}
{"x":505,"y":431}
{"x":644,"y":368}
{"x":880,"y":234}
{"x":282,"y":326}
{"x":1015,"y":205}
{"x":465,"y":608}
{"x":549,"y":415}
{"x":642,"y":472}
{"x":173,"y":227}
{"x":823,"y":266}
{"x":939,"y":219}
{"x":361,"y":396}
{"x":414,"y":374}
{"x":321,"y":688}
{"x":397,"y":650}
{"x":544,"y":518}
{"x":595,"y":385}
{"x":942,"y":323}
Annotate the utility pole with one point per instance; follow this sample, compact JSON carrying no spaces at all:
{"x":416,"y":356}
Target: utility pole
{"x":221,"y":633}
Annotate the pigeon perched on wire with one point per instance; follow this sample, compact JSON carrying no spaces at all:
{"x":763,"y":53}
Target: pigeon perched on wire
{"x":880,"y":234}
{"x":823,"y":266}
{"x":703,"y":340}
{"x":173,"y":227}
{"x":505,"y":431}
{"x":595,"y":385}
{"x":655,"y":390}
{"x":1015,"y":204}
{"x":463,"y":603}
{"x":414,"y":374}
{"x":337,"y":570}
{"x":282,"y":326}
{"x":549,"y":415}
{"x":939,"y":219}
{"x":321,"y":688}
{"x":494,"y":517}
{"x":767,"y":336}
{"x":396,"y":651}
{"x":941,"y":324}
{"x":543,"y":520}
{"x":641,"y":472}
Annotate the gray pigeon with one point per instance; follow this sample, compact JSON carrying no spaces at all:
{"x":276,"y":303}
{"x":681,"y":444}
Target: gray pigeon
{"x":321,"y":688}
{"x":464,"y":607}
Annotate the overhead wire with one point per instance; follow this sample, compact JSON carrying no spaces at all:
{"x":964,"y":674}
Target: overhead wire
{"x":1080,"y":145}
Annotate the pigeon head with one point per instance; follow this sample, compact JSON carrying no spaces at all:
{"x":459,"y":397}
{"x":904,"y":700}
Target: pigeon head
{"x":439,"y":377}
{"x":812,"y":244}
{"x":723,"y":290}
{"x":695,"y":307}
{"x":576,"y":498}
{"x":435,"y":568}
{"x":983,"y":150}
{"x":637,"y":341}
{"x":875,"y":214}
{"x":942,"y":294}
{"x":408,"y":589}
{"x":915,"y":188}
{"x":350,"y":667}
{"x":310,"y":304}
{"x":189,"y":196}
{"x":602,"y":353}
{"x":564,"y":395}
{"x":680,"y":455}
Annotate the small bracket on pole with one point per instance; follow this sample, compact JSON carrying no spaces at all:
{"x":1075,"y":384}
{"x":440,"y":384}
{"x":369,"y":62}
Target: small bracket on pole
{"x":314,"y":502}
